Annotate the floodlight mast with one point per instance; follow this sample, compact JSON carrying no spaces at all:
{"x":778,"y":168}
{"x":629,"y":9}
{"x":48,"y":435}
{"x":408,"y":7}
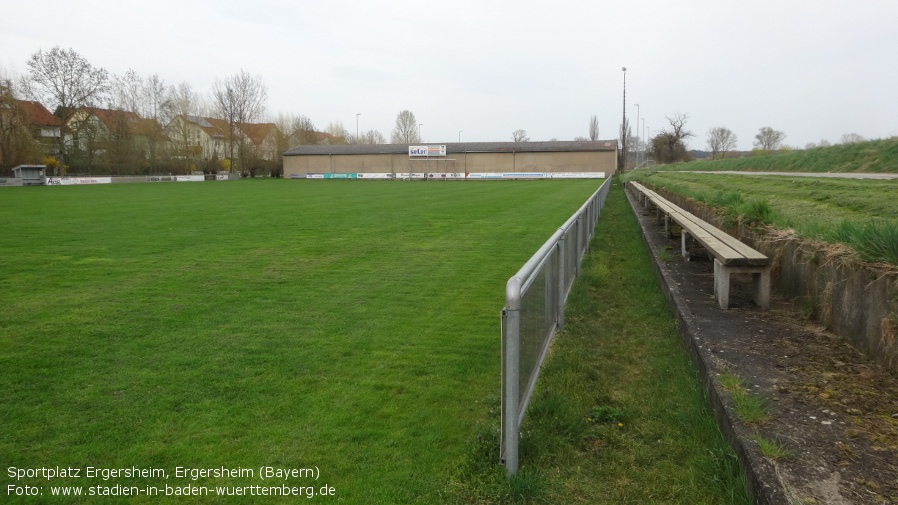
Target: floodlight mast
{"x":623,"y":128}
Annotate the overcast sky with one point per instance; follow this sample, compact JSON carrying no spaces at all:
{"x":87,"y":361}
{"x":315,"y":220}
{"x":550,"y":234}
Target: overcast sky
{"x":814,"y":69}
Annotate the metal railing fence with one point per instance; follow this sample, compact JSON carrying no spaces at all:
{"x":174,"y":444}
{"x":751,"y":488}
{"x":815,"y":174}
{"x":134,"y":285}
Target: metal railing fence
{"x":534,"y":310}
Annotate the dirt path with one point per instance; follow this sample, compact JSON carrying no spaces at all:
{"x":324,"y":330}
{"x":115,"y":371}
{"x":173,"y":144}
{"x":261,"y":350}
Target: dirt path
{"x":830,"y":175}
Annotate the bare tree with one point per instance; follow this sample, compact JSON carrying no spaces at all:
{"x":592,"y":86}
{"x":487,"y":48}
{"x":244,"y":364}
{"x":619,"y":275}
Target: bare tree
{"x":148,"y":99}
{"x":17,"y":145}
{"x":302,"y":131}
{"x":406,"y":129}
{"x":66,"y":81}
{"x":593,"y":128}
{"x":720,"y":141}
{"x":238,"y":100}
{"x":852,"y":138}
{"x":520,"y":135}
{"x":339,"y":134}
{"x":624,"y":143}
{"x":372,"y":137}
{"x":183,"y":105}
{"x":669,"y":145}
{"x":769,"y":139}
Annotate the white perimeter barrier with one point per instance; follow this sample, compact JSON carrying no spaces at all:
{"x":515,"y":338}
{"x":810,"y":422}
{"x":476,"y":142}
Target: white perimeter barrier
{"x":453,"y":176}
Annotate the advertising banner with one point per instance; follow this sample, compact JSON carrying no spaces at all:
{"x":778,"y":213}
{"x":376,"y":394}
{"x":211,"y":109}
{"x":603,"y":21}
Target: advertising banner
{"x":190,"y":178}
{"x":339,"y":176}
{"x":445,"y":176}
{"x":70,"y":181}
{"x":485,"y":176}
{"x":161,"y":178}
{"x":426,"y":151}
{"x":524,"y":175}
{"x":91,"y":180}
{"x":575,"y":175}
{"x":406,"y":175}
{"x":376,"y":176}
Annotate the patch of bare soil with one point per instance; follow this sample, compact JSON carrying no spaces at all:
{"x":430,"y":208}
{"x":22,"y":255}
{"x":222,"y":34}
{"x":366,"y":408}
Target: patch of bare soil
{"x":831,"y":410}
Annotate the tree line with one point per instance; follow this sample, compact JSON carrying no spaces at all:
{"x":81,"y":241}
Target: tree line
{"x":139,"y":131}
{"x":669,"y":145}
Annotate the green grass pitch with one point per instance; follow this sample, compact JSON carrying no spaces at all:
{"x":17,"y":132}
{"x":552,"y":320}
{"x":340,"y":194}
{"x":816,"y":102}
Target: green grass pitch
{"x":348,"y":326}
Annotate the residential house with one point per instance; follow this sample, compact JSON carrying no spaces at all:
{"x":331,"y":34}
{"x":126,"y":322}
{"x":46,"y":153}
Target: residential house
{"x":262,"y":139}
{"x":121,"y":140}
{"x":45,"y":127}
{"x":198,"y":138}
{"x":203,"y":139}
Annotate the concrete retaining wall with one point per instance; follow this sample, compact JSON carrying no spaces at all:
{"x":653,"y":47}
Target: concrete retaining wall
{"x":857,"y":301}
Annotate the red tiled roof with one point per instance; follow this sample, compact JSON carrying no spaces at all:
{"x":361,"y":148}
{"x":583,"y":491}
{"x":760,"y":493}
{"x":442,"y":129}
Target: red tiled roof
{"x":39,"y":114}
{"x":257,"y":132}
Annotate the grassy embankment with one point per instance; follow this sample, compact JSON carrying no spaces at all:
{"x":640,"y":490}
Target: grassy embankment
{"x":878,"y":156}
{"x":861,"y":214}
{"x":619,"y":415}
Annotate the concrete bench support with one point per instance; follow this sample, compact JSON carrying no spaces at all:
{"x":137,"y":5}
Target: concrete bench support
{"x":760,"y":277}
{"x":729,"y":254}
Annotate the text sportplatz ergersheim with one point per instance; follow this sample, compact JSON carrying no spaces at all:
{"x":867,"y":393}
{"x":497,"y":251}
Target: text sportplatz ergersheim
{"x":73,"y":481}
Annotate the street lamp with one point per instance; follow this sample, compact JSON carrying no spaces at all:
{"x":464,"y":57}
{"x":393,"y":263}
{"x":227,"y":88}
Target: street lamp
{"x":419,"y":133}
{"x":459,"y":136}
{"x":357,"y":114}
{"x":644,"y":145}
{"x":623,"y":126}
{"x":637,"y":133}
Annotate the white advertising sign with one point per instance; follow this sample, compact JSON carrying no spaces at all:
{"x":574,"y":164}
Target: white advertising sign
{"x":426,"y":151}
{"x":452,"y":176}
{"x":377,"y":176}
{"x":575,"y":175}
{"x":70,"y":181}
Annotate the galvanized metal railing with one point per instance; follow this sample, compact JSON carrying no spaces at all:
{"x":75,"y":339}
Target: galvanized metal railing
{"x":534,"y":310}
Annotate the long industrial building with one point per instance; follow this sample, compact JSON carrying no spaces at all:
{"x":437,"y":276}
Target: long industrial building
{"x":462,"y":157}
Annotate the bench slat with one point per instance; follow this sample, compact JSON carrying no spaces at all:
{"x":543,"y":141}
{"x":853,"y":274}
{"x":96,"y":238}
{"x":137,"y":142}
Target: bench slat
{"x":726,"y":248}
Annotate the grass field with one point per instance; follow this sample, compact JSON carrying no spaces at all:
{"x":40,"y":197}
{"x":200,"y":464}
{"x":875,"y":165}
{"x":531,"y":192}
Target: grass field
{"x":619,"y":416}
{"x":351,"y":327}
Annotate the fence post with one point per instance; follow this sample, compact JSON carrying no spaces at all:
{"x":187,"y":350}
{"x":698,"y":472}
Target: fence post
{"x":511,"y":390}
{"x":561,"y":285}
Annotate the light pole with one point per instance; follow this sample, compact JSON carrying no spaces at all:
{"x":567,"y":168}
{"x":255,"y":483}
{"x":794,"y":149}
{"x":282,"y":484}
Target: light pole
{"x":643,"y":139}
{"x":459,"y":136}
{"x":637,"y":133}
{"x":419,"y":133}
{"x":623,"y":127}
{"x":357,"y":114}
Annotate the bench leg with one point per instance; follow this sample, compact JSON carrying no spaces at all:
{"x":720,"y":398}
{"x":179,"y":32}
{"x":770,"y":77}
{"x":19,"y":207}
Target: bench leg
{"x":721,"y":284}
{"x":667,"y":231}
{"x":683,"y":236}
{"x":761,"y":284}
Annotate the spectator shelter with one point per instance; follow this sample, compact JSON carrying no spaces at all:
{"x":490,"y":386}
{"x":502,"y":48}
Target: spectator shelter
{"x":31,"y":175}
{"x":462,"y":157}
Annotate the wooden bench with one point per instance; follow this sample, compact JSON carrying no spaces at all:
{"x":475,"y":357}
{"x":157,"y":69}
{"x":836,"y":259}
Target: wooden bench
{"x":730,"y":254}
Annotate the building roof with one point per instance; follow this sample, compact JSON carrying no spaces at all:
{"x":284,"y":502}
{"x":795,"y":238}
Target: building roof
{"x":459,"y":147}
{"x":38,"y":113}
{"x":257,"y":132}
{"x":216,"y":127}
